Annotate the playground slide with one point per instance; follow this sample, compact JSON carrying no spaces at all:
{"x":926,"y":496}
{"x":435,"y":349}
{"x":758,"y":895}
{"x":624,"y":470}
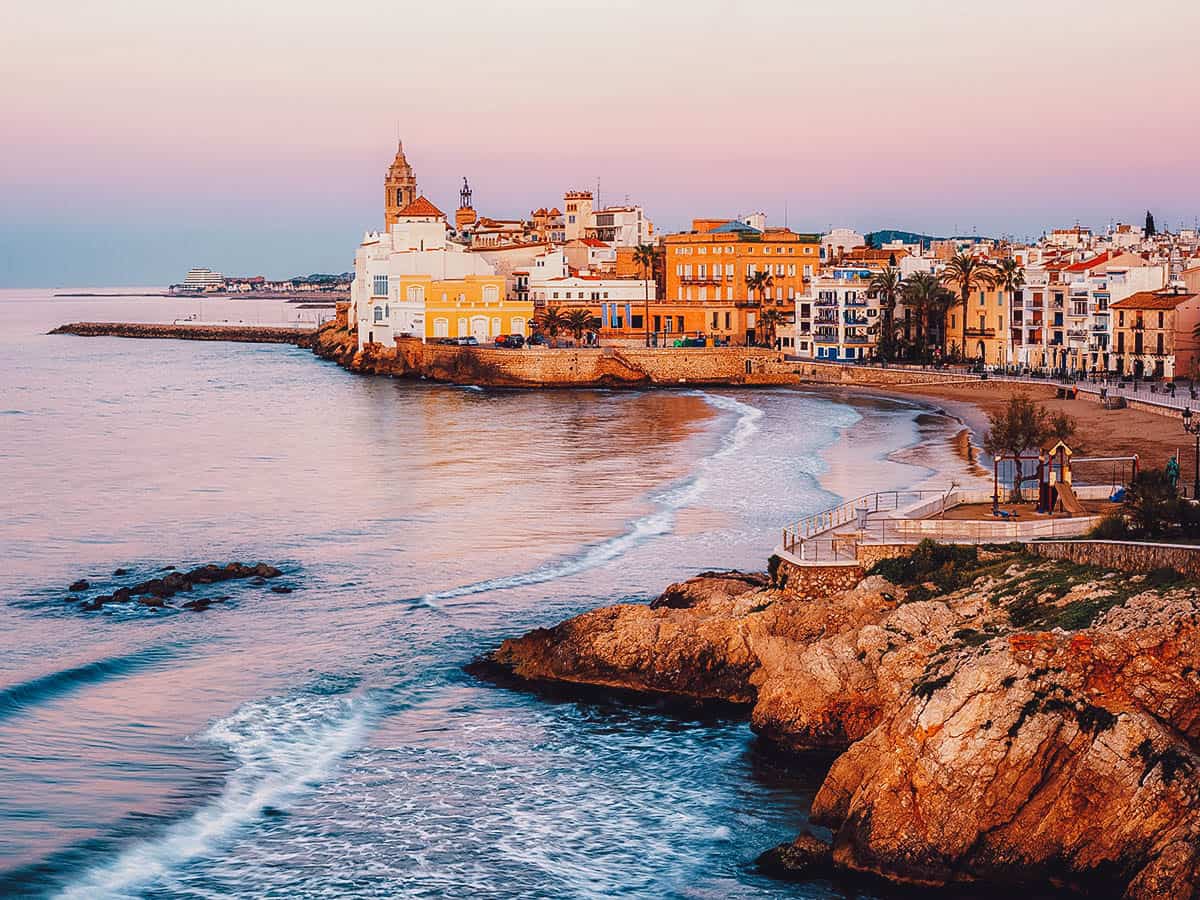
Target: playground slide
{"x":1066,"y":496}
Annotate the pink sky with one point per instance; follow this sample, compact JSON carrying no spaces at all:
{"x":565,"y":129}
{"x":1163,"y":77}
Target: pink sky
{"x":928,"y":115}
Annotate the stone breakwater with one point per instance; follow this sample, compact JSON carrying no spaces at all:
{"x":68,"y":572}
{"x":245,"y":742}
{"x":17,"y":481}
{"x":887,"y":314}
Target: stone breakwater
{"x":251,"y":334}
{"x":1000,"y":718}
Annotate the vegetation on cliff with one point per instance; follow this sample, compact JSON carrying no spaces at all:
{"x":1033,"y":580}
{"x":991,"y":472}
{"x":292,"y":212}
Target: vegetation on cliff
{"x":1000,"y":717}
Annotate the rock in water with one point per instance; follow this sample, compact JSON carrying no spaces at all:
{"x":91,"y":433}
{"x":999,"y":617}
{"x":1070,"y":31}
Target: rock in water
{"x":804,"y":858}
{"x":119,"y":572}
{"x":80,"y":585}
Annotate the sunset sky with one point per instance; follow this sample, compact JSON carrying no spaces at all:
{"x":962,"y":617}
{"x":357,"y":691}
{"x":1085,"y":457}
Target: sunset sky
{"x":143,"y":137}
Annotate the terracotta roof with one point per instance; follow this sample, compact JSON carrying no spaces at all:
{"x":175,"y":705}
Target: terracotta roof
{"x":421,"y":207}
{"x":1090,"y":263}
{"x":1153,"y":300}
{"x":594,"y":242}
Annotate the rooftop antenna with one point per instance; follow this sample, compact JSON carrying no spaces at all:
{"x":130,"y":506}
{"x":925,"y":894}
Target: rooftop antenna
{"x":785,"y":213}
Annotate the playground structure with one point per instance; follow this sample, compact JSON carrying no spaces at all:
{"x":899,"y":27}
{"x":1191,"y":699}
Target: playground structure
{"x":1055,"y":468}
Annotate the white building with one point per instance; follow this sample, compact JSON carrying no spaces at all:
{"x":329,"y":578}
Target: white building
{"x":620,"y":226}
{"x":380,"y":302}
{"x":552,"y":282}
{"x":840,"y":241}
{"x":836,"y":319}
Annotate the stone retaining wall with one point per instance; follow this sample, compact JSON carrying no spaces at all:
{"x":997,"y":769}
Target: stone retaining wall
{"x":1124,"y":556}
{"x":815,"y":582}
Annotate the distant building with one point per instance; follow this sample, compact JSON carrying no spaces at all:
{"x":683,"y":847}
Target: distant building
{"x":201,"y":280}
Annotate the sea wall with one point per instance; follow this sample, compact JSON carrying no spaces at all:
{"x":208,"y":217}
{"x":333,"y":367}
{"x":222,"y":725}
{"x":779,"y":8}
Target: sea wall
{"x":252,"y":334}
{"x":1121,"y":555}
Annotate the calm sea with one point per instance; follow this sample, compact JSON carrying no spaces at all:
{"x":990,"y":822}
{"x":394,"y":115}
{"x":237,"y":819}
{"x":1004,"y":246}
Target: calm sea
{"x":327,"y":742}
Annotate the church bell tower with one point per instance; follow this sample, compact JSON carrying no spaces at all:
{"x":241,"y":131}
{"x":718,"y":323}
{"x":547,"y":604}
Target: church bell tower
{"x":400,"y":187}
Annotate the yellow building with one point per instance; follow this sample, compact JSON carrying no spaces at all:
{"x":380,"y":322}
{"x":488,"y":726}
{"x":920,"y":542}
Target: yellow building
{"x":474,"y":306}
{"x":987,"y":327}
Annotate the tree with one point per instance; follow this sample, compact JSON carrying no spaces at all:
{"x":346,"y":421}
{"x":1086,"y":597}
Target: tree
{"x":1021,"y":426}
{"x":968,"y":274}
{"x":761,"y":282}
{"x":1152,"y":503}
{"x":578,"y":321}
{"x":771,"y":320}
{"x":1151,"y":231}
{"x":643,"y":255}
{"x":552,"y":321}
{"x":929,"y":300}
{"x":886,"y":285}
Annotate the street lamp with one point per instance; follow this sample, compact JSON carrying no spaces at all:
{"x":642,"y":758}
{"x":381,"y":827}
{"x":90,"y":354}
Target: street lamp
{"x":1193,"y":428}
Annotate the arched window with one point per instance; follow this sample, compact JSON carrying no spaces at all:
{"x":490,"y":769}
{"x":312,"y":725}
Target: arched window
{"x":496,"y":326}
{"x":491,"y":294}
{"x":463,"y":327}
{"x":518,"y":325}
{"x":441,"y":328}
{"x":416,"y":293}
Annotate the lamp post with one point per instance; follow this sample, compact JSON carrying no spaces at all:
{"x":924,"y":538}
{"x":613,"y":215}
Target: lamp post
{"x":1193,"y":428}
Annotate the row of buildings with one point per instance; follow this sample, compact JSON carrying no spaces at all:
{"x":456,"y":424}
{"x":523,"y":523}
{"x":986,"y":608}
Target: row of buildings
{"x":1121,"y":301}
{"x":200,"y":281}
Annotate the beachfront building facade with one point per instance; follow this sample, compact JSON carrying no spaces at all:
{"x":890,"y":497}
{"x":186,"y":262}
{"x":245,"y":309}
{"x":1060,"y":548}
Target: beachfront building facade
{"x":411,"y":281}
{"x":618,"y":303}
{"x":987,"y":339}
{"x":837,"y":318}
{"x":1154,"y":334}
{"x":708,"y":276}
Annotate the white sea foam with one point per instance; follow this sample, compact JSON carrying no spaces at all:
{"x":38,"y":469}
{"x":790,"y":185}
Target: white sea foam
{"x":283,"y":746}
{"x":655,"y":524}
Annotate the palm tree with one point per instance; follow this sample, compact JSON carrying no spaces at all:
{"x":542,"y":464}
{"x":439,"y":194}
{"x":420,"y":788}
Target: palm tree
{"x":771,"y":320}
{"x":887,"y":286}
{"x":761,"y":282}
{"x":1010,"y":277}
{"x":551,"y":320}
{"x":967,"y":274}
{"x":578,"y":321}
{"x":929,"y":300}
{"x":643,"y":255}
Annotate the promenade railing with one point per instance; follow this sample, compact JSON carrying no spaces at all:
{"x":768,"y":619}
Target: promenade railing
{"x":810,"y":527}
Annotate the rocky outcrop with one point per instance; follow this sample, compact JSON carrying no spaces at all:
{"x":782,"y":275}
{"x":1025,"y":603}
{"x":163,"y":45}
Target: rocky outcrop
{"x":154,"y":592}
{"x":1019,"y":720}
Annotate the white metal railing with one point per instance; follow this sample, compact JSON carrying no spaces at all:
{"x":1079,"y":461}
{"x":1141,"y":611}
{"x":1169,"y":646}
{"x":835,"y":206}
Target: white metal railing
{"x":880,"y":501}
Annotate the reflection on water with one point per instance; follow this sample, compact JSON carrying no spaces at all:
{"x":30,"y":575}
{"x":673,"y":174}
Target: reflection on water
{"x":328,"y":741}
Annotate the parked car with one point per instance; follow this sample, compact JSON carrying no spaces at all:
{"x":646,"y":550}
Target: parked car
{"x":467,"y":341}
{"x":510,"y":341}
{"x":538,"y":340}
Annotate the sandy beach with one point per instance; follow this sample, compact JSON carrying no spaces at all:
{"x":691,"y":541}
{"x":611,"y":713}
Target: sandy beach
{"x":1101,"y":432}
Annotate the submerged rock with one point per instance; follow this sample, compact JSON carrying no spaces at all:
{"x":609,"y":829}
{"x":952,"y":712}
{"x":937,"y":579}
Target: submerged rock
{"x":80,"y":585}
{"x":154,"y":592}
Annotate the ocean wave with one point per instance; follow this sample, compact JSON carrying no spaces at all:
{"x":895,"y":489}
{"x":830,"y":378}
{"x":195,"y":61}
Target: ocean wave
{"x":283,"y":747}
{"x":658,"y":523}
{"x":17,"y":698}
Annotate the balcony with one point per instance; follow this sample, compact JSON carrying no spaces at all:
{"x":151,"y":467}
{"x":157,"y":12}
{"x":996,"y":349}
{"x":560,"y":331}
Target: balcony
{"x":699,"y":279}
{"x":862,"y":302}
{"x":857,"y":339}
{"x":981,"y":332}
{"x":850,"y":319}
{"x":821,"y":302}
{"x":826,"y":319}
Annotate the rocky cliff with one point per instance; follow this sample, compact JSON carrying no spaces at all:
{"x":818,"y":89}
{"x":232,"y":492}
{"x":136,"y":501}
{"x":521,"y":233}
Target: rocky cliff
{"x":1001,"y":718}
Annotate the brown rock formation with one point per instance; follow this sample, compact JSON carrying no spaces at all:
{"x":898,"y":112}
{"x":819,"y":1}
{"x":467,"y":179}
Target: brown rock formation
{"x":974,"y":750}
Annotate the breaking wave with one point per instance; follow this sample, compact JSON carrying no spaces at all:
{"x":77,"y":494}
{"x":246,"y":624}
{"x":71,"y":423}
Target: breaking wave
{"x":655,"y":524}
{"x":283,"y":747}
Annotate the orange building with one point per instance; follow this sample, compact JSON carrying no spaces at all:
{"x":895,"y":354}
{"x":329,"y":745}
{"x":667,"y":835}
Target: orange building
{"x":707,"y":274}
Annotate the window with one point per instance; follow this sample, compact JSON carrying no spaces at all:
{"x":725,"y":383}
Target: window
{"x":808,"y":251}
{"x":463,"y":328}
{"x":808,"y":271}
{"x":636,"y":321}
{"x":701,"y":250}
{"x":491,"y":293}
{"x":379,"y":314}
{"x":791,"y":270}
{"x":766,"y":249}
{"x":727,"y":321}
{"x":441,"y":328}
{"x":416,"y":293}
{"x":379,"y":286}
{"x":495,"y":326}
{"x":1160,"y":321}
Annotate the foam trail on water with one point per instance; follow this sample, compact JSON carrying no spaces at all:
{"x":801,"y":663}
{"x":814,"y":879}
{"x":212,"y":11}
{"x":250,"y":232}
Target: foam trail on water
{"x":655,"y":524}
{"x":283,"y":746}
